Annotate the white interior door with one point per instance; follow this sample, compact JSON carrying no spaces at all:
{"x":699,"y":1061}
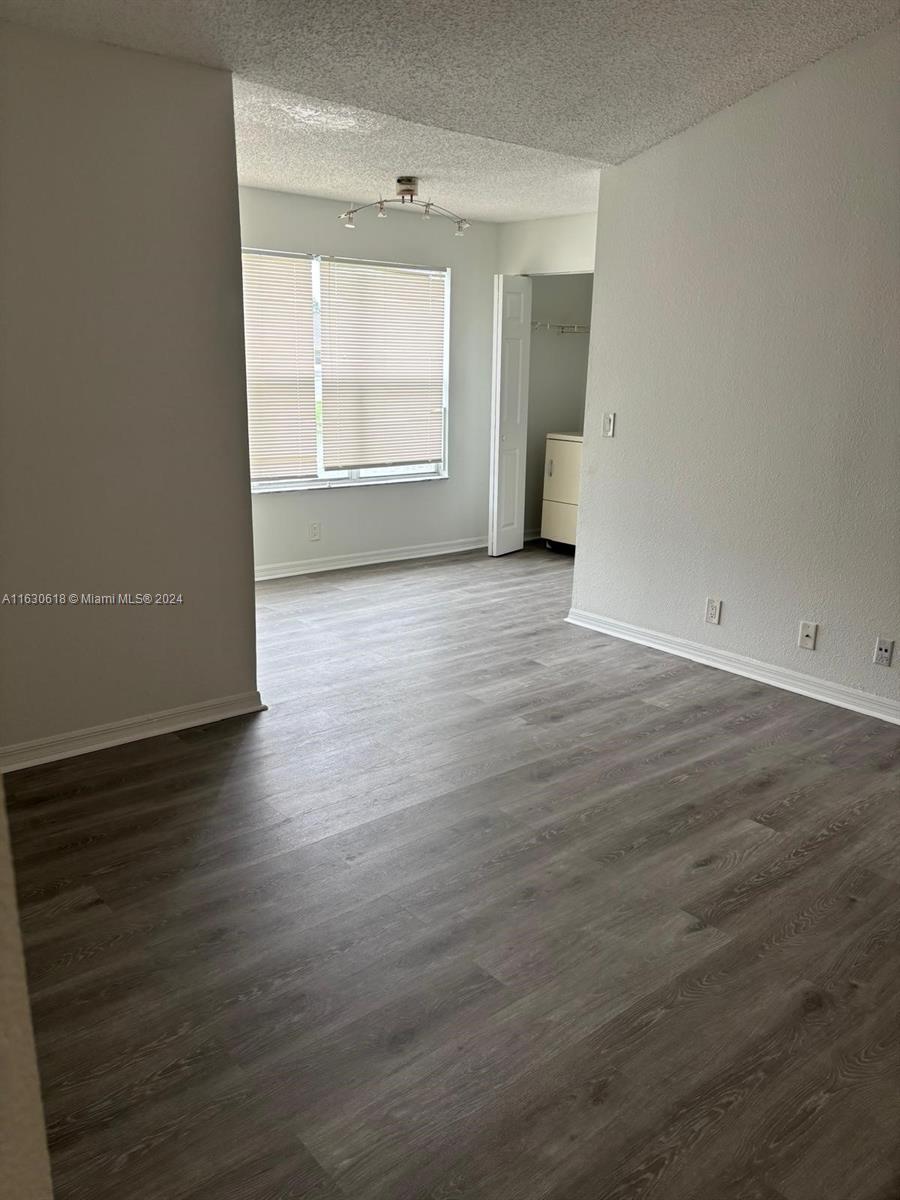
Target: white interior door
{"x":509,"y":413}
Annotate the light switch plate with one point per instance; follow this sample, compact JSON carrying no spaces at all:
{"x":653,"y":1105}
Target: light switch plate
{"x":609,"y":424}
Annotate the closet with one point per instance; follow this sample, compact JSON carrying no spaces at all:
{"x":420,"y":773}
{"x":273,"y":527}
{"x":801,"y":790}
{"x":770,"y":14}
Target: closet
{"x":560,"y":324}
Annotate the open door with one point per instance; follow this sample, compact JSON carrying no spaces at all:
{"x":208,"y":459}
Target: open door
{"x":509,"y":413}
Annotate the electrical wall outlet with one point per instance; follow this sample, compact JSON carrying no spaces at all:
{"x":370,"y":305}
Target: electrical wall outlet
{"x":808,"y":632}
{"x":713,"y":611}
{"x":884,"y":652}
{"x":609,"y":424}
{"x":315,"y":531}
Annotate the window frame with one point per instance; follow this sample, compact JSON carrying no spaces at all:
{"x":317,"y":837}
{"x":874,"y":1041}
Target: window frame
{"x":360,"y":477}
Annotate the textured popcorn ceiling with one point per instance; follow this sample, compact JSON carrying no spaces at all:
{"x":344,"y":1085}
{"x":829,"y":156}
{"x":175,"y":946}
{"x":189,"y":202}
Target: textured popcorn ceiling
{"x":592,"y":79}
{"x":294,"y":143}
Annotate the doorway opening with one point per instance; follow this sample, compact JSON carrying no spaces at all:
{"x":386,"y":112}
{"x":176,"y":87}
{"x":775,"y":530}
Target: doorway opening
{"x":541,"y":335}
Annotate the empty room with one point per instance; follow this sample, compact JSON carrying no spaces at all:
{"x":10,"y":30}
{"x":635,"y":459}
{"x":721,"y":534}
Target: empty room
{"x":450,"y":600}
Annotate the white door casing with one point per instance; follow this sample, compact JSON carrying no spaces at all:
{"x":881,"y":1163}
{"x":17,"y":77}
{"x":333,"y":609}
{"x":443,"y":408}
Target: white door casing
{"x":509,"y":413}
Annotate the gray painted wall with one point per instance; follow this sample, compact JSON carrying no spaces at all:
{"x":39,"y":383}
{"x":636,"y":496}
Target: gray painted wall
{"x":396,"y":518}
{"x":388,"y":517}
{"x":746,"y":329}
{"x":123,"y":429}
{"x":548,"y":244}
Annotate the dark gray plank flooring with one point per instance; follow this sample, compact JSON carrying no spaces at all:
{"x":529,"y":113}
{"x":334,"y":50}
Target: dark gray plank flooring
{"x":485,"y":906}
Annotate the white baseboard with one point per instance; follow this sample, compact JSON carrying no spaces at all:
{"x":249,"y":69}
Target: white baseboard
{"x":738,"y":664}
{"x":133,"y":729}
{"x":338,"y":562}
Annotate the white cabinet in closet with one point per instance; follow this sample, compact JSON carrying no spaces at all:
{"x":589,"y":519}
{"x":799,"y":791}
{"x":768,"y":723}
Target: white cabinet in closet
{"x":562,"y":484}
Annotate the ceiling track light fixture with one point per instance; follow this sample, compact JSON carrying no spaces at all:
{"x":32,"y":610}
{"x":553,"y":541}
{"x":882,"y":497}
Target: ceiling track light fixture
{"x":407,"y":191}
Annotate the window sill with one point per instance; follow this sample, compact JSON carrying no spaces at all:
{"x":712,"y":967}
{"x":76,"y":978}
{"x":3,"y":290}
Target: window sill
{"x":316,"y":485}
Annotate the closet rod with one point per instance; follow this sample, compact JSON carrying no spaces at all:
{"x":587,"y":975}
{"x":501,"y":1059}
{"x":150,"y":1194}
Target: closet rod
{"x":560,"y":328}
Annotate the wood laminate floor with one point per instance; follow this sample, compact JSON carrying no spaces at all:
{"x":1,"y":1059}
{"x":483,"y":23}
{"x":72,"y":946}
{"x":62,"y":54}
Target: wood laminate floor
{"x":485,"y":906}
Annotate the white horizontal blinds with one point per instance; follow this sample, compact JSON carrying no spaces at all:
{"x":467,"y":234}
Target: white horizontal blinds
{"x":382,"y":365}
{"x":281,"y":392}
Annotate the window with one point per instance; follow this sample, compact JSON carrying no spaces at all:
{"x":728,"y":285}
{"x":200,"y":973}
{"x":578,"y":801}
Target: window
{"x":346,"y":370}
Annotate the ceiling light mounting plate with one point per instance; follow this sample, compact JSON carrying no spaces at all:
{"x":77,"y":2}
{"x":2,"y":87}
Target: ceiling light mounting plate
{"x":407,"y":188}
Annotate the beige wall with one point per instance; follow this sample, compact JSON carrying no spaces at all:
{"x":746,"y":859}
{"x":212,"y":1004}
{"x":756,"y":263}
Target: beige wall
{"x":393,"y":518}
{"x":123,"y":436}
{"x":746,"y":329}
{"x":25,"y":1171}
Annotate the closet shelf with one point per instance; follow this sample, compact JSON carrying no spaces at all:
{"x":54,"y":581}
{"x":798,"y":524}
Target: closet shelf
{"x":554,"y":328}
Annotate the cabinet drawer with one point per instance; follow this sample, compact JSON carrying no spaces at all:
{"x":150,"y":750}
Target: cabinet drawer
{"x":562,"y":471}
{"x":558,"y":521}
